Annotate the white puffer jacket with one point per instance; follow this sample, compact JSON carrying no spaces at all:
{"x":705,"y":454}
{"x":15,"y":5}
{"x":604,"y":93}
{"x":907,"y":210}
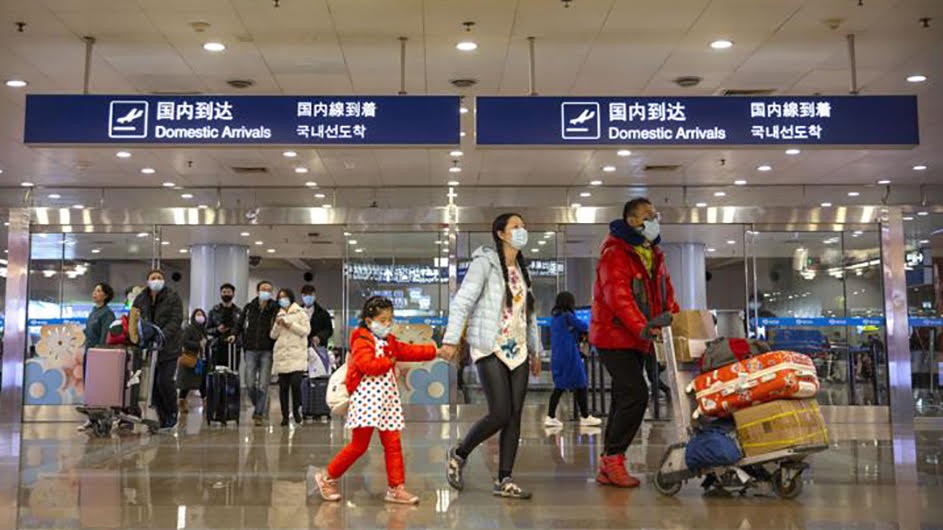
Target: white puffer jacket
{"x":291,"y":343}
{"x":479,"y":303}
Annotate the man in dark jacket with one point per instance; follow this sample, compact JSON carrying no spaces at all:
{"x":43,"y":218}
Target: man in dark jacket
{"x":257,"y":320}
{"x":322,"y":327}
{"x":632,"y":287}
{"x":160,"y":306}
{"x":222,"y":327}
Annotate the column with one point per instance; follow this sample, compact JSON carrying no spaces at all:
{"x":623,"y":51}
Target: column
{"x":212,"y":265}
{"x":688,"y":272}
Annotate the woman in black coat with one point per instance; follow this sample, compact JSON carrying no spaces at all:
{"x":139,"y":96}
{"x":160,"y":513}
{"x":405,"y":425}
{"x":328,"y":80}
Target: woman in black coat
{"x":194,"y":342}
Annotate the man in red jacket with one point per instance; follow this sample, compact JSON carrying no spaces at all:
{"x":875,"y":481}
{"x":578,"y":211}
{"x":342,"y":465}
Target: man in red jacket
{"x":632,"y":287}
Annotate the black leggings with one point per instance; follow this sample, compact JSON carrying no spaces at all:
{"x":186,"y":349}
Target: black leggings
{"x":582,"y":402}
{"x":290,"y":381}
{"x":505,"y":391}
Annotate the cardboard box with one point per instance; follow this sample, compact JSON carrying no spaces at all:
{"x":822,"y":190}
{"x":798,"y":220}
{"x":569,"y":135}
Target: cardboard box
{"x":688,"y":350}
{"x":694,"y":324}
{"x":780,"y":425}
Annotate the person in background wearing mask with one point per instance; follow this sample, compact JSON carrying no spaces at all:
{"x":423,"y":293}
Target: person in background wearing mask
{"x":97,"y":326}
{"x":322,"y":328}
{"x":632,"y":287}
{"x":223,"y":324}
{"x":194,"y":343}
{"x":160,"y":306}
{"x":496,"y":303}
{"x":256,"y":326}
{"x":290,"y":357}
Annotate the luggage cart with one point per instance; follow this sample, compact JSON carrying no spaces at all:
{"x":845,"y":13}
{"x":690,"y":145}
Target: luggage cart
{"x":779,"y":472}
{"x":106,"y":419}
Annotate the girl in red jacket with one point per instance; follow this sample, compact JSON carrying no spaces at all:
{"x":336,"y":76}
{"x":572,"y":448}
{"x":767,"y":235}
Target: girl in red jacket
{"x":374,"y":399}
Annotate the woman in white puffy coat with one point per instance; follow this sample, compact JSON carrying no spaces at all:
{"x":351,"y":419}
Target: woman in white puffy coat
{"x":290,"y":356}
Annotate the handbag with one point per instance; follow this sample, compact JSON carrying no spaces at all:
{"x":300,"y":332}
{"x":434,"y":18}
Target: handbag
{"x":188,"y":360}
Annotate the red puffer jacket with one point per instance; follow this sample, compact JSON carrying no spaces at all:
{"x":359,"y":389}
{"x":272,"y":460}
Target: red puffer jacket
{"x":625,"y":296}
{"x":364,"y":361}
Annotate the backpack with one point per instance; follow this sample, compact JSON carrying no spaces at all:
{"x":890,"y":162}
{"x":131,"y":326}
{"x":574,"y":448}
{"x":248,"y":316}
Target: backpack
{"x":338,"y":396}
{"x":712,"y":446}
{"x":723,"y":351}
{"x":118,"y":332}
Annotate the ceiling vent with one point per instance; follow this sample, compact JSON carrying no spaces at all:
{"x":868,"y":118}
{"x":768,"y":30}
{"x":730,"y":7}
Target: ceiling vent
{"x":662,"y":167}
{"x":249,"y":170}
{"x":240,"y":83}
{"x":687,"y":81}
{"x":746,"y":92}
{"x":464,"y":83}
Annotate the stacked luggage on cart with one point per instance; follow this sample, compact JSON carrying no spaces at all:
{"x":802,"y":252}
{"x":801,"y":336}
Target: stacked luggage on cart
{"x":747,"y":417}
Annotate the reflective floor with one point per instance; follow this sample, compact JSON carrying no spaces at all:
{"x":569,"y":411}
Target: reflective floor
{"x":248,"y":477}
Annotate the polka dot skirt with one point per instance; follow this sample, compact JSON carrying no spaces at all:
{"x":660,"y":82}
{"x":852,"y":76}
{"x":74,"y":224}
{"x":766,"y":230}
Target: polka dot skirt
{"x":376,"y":403}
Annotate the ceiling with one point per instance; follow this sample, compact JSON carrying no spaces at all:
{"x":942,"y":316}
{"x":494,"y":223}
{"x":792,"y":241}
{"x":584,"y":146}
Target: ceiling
{"x":594,"y":47}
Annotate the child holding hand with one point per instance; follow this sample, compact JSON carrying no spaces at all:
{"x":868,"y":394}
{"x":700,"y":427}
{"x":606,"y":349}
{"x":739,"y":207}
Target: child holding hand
{"x":374,"y":400}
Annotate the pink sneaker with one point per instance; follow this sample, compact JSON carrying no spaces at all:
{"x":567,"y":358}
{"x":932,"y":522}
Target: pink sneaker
{"x":399,"y":495}
{"x":328,"y":487}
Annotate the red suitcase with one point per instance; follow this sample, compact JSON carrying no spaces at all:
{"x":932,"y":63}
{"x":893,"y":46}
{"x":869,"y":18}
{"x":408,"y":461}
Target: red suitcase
{"x":766,"y":377}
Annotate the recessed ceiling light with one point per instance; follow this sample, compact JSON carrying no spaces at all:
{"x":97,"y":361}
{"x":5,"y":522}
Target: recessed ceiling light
{"x":466,"y":46}
{"x":740,"y":182}
{"x":542,"y":242}
{"x":55,"y":196}
{"x":720,"y":194}
{"x":793,"y":151}
{"x":908,"y":218}
{"x":123,"y":154}
{"x":186,"y":196}
{"x":27,"y":184}
{"x":311,"y":184}
{"x":260,"y":243}
{"x":549,"y":234}
{"x":455,"y":169}
{"x":96,"y":251}
{"x":78,"y":206}
{"x":609,"y":169}
{"x":319,"y":195}
{"x":244,"y":234}
{"x":169,"y":184}
{"x":270,"y":251}
{"x":16,"y":83}
{"x":183,"y":251}
{"x":143,"y":234}
{"x":535,"y":250}
{"x":711,"y":249}
{"x":576,"y":205}
{"x":884,"y":181}
{"x":456,"y":153}
{"x":924,"y":241}
{"x":731,"y":241}
{"x":462,"y":134}
{"x":854,"y":193}
{"x":347,"y":234}
{"x":826,"y":205}
{"x":301,"y":170}
{"x":358,"y":250}
{"x":327,"y":206}
{"x":916,"y":78}
{"x":764,"y":168}
{"x":586,"y":194}
{"x":624,"y":152}
{"x":721,"y":44}
{"x":463,"y":110}
{"x":165,"y":243}
{"x":202,"y":206}
{"x":352,"y":242}
{"x":595,"y":183}
{"x":289,"y":154}
{"x":453,"y":183}
{"x":701,"y":205}
{"x":920,"y":167}
{"x":214,"y":47}
{"x":922,"y":214}
{"x":148,"y":170}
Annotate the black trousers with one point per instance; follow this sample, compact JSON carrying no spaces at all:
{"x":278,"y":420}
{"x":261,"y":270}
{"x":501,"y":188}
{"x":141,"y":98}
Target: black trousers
{"x":290,"y":382}
{"x":582,"y":401}
{"x":165,"y":391}
{"x":505,"y":390}
{"x":629,"y":397}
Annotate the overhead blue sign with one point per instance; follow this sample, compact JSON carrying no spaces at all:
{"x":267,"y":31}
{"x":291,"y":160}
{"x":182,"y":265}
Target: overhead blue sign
{"x":242,"y":120}
{"x":889,"y":121}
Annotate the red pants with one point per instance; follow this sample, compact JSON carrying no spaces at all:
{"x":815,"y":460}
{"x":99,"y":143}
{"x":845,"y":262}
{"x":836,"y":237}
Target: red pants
{"x":360,"y":441}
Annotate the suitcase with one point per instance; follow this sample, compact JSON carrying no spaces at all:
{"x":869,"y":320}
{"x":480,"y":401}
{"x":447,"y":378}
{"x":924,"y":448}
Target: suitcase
{"x":223,"y":395}
{"x":314,"y":397}
{"x":767,"y":377}
{"x":106,"y":380}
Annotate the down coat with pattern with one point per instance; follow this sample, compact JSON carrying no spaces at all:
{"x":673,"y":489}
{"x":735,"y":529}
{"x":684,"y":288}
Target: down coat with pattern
{"x":479,"y":303}
{"x":625,"y":295}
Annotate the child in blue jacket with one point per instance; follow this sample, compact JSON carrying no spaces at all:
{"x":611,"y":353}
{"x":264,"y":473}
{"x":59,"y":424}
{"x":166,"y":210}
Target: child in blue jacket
{"x":566,"y":363}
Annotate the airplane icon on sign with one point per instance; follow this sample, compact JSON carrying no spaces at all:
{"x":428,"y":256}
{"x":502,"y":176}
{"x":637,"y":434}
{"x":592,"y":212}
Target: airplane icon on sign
{"x":127,"y":119}
{"x":130,"y":116}
{"x":586,"y":115}
{"x":580,"y":120}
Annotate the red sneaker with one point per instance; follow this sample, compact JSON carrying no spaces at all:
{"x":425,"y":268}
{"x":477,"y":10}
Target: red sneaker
{"x":612,"y":472}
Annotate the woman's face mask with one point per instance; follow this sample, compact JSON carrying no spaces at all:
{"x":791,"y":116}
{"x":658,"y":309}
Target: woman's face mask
{"x":200,"y":319}
{"x":308,"y":299}
{"x":155,"y":285}
{"x":284,"y":302}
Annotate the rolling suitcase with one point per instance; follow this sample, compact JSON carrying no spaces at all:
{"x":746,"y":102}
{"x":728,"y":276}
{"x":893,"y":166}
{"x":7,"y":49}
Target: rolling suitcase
{"x":106,"y":383}
{"x":223,"y":398}
{"x":767,"y":377}
{"x":314,"y":397}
